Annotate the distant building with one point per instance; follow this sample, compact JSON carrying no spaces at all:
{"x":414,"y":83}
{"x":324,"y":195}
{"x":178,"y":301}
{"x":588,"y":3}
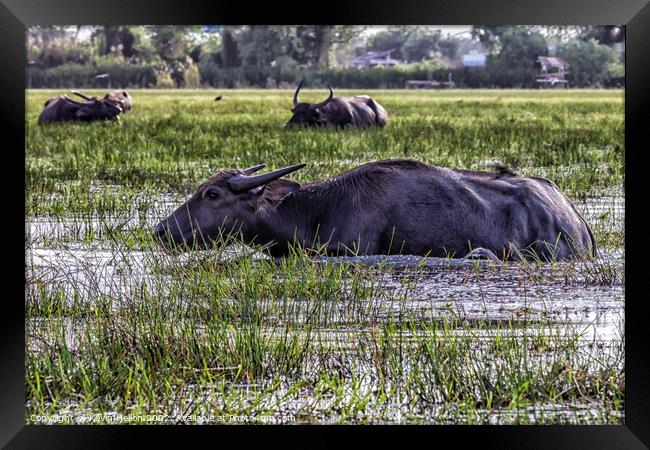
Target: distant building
{"x":548,"y":62}
{"x":474,"y":60}
{"x":553,"y":72}
{"x":374,"y":59}
{"x":472,"y":54}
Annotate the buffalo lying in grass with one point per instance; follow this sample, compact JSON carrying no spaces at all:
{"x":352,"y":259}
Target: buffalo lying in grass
{"x":384,"y":207}
{"x":359,"y":111}
{"x":64,"y":109}
{"x":119,"y":97}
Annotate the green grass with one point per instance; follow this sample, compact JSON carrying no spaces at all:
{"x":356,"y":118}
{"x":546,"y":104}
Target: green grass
{"x":136,"y":332}
{"x":173,"y":140}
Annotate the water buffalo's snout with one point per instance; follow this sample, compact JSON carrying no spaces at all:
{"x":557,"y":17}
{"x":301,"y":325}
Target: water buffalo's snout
{"x":168,"y":235}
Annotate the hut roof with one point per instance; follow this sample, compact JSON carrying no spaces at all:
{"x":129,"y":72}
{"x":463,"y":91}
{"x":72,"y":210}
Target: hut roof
{"x":551,"y":61}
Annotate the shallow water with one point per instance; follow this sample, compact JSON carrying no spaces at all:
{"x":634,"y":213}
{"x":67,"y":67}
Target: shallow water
{"x":82,"y":258}
{"x":437,"y":287}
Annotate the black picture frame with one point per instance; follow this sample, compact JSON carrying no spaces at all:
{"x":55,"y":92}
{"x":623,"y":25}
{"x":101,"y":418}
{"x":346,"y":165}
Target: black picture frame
{"x":15,"y":15}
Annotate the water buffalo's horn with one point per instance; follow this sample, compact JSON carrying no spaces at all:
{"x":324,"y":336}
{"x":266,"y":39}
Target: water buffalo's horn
{"x":74,"y":101}
{"x":241,"y":183}
{"x":295,"y":96}
{"x":254,"y":169}
{"x":321,"y":104}
{"x":82,"y":95}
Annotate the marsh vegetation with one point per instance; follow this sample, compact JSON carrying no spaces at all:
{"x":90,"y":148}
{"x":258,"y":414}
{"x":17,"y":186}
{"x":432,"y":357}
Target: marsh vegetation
{"x":117,"y":328}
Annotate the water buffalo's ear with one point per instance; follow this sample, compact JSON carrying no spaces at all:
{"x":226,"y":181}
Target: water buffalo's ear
{"x":275,"y":191}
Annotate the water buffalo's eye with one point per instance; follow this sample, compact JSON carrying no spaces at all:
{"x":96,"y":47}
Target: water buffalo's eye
{"x":212,"y":195}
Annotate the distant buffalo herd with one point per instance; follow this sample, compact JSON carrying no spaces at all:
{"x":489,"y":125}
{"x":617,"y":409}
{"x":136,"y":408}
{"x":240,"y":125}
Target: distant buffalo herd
{"x":65,"y":109}
{"x":378,"y":208}
{"x":338,"y":112}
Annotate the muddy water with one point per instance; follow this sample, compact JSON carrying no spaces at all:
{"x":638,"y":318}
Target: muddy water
{"x":84,"y":261}
{"x":437,"y":288}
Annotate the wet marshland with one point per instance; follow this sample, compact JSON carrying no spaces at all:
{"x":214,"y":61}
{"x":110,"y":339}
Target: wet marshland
{"x":117,"y":328}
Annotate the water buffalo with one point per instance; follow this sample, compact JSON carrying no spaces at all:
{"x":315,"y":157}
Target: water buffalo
{"x":359,"y":111}
{"x":384,"y":207}
{"x":63,"y":109}
{"x":120,"y":98}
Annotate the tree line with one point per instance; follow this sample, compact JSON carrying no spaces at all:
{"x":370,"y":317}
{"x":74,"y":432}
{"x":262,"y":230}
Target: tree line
{"x":171,"y":56}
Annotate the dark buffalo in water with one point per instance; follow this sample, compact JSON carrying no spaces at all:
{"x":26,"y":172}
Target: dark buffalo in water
{"x":359,"y":111}
{"x":384,"y":207}
{"x":64,"y":109}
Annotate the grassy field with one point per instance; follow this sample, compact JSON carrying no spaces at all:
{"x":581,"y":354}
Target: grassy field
{"x":118,"y":331}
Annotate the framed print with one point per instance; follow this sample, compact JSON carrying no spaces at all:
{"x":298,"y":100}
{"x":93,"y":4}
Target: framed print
{"x":377,"y":229}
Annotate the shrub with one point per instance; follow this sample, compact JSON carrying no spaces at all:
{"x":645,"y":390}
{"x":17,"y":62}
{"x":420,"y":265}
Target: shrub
{"x":192,"y":77}
{"x":84,"y":75}
{"x":286,"y":71}
{"x":164,"y":80}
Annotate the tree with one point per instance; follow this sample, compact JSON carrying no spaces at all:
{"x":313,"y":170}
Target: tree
{"x":449,"y":47}
{"x":393,"y":38}
{"x":603,"y":34}
{"x":173,"y":46}
{"x":513,"y":53}
{"x":520,"y":48}
{"x":589,"y":62}
{"x":170,"y":41}
{"x":111,"y":38}
{"x":260,"y":45}
{"x":56,"y":45}
{"x":229,"y":53}
{"x":490,"y":36}
{"x":421,"y":44}
{"x":313,"y":44}
{"x":413,"y":43}
{"x":333,"y":35}
{"x":44,"y":36}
